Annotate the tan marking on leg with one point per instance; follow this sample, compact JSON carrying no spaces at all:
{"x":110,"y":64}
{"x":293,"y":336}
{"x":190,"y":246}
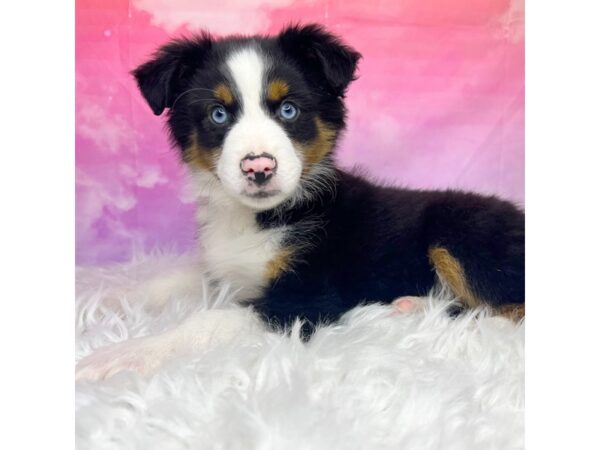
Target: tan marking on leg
{"x":450,"y":271}
{"x":281,"y":263}
{"x":514,"y":312}
{"x":276,"y":90}
{"x":223,"y":93}
{"x":319,"y":147}
{"x":197,"y":156}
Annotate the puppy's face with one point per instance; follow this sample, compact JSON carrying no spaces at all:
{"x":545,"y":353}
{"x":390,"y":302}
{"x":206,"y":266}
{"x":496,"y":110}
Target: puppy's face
{"x":258,"y":115}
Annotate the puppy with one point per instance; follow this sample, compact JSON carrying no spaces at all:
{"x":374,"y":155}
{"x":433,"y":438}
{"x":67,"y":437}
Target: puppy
{"x":257,"y":120}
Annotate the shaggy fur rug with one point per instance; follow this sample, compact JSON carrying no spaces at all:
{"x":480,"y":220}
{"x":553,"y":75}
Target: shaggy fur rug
{"x":376,"y":380}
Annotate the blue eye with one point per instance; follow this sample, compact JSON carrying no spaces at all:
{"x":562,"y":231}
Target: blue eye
{"x":288,"y":111}
{"x":219,"y":115}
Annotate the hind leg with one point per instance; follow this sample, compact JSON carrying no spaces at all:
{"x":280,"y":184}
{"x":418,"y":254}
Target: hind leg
{"x":476,"y":245}
{"x":451,"y":273}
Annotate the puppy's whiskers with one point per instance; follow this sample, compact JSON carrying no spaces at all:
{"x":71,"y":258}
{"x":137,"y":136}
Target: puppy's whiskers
{"x":192,"y":90}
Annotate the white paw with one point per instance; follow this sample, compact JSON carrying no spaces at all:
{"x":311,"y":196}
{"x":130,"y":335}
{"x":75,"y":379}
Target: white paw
{"x":143,"y":355}
{"x":407,"y":304}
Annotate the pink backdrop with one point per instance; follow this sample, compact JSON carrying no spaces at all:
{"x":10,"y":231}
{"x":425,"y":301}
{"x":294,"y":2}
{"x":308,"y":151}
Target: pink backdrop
{"x":439,"y":103}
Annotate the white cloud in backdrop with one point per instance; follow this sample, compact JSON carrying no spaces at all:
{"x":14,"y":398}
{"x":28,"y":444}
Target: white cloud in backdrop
{"x":230,"y":16}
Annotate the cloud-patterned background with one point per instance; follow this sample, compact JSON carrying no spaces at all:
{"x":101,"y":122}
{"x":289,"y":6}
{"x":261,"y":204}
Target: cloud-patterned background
{"x":439,"y":103}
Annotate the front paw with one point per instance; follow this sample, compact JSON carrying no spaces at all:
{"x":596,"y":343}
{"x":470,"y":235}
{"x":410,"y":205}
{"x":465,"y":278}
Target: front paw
{"x":143,"y":355}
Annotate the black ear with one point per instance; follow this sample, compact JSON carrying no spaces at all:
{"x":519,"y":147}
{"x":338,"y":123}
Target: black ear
{"x":164,"y":77}
{"x":320,"y":52}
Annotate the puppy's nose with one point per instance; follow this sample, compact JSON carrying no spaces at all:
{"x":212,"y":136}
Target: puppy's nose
{"x":258,"y":168}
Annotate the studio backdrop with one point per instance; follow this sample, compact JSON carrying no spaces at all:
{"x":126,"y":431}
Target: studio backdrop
{"x":439,"y":103}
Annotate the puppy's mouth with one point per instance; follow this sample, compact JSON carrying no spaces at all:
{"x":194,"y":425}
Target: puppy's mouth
{"x":262,"y":194}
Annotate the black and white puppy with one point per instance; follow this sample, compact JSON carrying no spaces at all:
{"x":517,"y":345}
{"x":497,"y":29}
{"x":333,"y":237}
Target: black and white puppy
{"x":257,"y":120}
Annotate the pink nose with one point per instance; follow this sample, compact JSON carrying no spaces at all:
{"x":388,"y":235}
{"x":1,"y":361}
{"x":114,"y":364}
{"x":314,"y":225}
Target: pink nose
{"x":259,"y":168}
{"x":260,"y":163}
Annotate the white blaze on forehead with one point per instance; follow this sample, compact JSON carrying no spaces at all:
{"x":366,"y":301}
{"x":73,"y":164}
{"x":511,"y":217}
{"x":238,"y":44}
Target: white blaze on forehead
{"x":256,"y":131}
{"x":247,"y":68}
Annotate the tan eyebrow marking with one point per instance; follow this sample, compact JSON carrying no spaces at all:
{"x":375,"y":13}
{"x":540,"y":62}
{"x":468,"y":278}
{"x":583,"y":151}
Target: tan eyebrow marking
{"x":223,"y":93}
{"x":277,"y":89}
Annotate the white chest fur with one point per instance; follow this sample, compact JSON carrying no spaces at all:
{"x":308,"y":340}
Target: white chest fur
{"x":234,"y":249}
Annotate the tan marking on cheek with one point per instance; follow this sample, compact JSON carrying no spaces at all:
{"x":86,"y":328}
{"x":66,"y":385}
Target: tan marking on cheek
{"x":199,"y":157}
{"x":319,"y":147}
{"x":277,"y":89}
{"x":279,"y":264}
{"x":224,"y":94}
{"x":450,"y":270}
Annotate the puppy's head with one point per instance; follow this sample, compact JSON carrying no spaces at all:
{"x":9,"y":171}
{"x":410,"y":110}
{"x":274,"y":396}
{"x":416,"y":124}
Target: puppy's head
{"x":259,"y":114}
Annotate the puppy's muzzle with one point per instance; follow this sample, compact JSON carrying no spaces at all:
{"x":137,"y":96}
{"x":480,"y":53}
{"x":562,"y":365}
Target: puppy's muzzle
{"x":259,"y":169}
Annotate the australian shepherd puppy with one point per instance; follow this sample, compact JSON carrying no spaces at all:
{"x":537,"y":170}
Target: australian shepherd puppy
{"x":257,"y":120}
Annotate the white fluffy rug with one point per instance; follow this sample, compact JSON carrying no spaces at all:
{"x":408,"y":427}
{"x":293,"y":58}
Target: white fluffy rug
{"x":377,"y":380}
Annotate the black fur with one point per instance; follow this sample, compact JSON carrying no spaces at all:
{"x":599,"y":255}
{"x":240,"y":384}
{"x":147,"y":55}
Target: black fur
{"x":372,"y":242}
{"x":320,"y":56}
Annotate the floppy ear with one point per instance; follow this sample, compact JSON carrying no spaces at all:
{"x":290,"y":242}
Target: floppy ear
{"x":164,"y":77}
{"x":322,"y":53}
